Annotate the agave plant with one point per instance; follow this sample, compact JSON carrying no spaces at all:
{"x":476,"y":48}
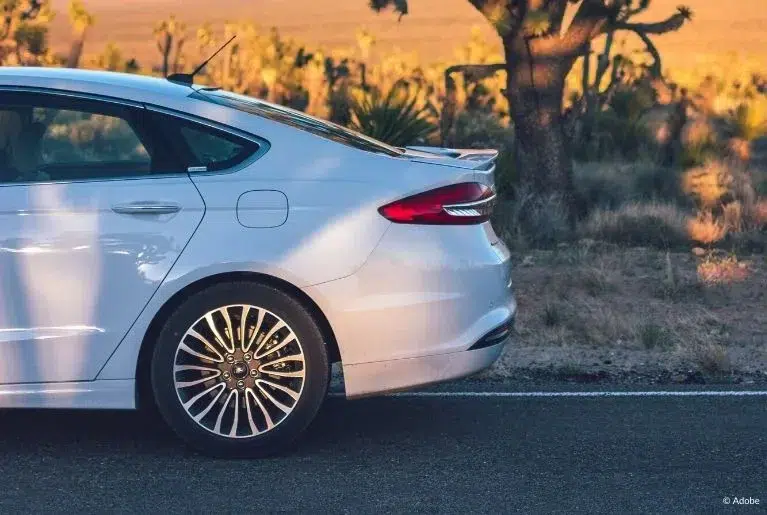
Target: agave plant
{"x":394,"y":118}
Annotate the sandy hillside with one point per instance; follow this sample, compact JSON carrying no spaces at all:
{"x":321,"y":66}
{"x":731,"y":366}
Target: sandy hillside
{"x":433,"y":29}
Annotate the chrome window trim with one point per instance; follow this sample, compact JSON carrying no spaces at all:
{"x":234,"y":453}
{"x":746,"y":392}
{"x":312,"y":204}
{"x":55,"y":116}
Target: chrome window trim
{"x":70,"y":94}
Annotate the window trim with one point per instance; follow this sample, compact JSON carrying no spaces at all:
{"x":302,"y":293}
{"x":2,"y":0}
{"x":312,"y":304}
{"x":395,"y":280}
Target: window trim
{"x":263,"y":144}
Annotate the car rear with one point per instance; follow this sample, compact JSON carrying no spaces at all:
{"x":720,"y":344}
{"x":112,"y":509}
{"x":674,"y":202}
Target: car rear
{"x":434,"y":300}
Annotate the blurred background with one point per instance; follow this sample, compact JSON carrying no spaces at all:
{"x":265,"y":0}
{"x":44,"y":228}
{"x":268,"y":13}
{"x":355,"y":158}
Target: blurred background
{"x":632,"y":133}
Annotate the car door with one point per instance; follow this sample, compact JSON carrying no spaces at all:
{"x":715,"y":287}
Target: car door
{"x":94,"y":211}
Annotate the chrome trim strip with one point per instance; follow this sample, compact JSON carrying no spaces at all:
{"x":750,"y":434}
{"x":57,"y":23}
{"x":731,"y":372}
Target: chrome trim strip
{"x":471,"y":205}
{"x":70,"y":94}
{"x":148,"y":208}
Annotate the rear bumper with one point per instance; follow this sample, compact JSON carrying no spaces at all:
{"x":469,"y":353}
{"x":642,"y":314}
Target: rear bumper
{"x":366,"y":379}
{"x":431,"y":304}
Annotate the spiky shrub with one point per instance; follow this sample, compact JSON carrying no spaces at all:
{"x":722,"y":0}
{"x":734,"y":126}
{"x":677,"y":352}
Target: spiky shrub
{"x":394,"y":118}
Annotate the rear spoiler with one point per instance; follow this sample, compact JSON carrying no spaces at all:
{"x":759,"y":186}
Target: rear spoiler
{"x":481,"y":159}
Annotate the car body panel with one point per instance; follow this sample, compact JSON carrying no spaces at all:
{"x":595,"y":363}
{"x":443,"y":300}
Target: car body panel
{"x":76,"y":274}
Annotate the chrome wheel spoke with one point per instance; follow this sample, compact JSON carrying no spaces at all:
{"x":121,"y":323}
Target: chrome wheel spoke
{"x":244,"y":326}
{"x":228,"y":321}
{"x":295,"y":357}
{"x":212,"y":403}
{"x":285,"y":341}
{"x":274,"y":401}
{"x":197,"y":336}
{"x":253,"y":427}
{"x":256,"y":330}
{"x":299,"y":373}
{"x":221,"y":413}
{"x":219,"y":339}
{"x":265,"y":383}
{"x":184,"y":347}
{"x":267,"y":417}
{"x":187,"y":384}
{"x":236,"y":421}
{"x":197,"y":397}
{"x":184,"y":368}
{"x":291,"y":393}
{"x":279,"y":325}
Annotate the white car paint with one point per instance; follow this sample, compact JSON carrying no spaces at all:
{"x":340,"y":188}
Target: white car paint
{"x":82,"y":282}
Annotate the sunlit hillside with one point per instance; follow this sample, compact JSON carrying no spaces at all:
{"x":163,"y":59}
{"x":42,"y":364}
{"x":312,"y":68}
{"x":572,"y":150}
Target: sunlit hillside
{"x":433,"y":29}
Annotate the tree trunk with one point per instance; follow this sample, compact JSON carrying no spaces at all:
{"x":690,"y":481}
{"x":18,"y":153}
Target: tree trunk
{"x":535,"y":88}
{"x":75,"y":52}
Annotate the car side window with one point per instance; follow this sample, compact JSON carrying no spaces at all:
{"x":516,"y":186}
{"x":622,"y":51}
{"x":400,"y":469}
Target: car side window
{"x":57,"y":138}
{"x":202,"y":147}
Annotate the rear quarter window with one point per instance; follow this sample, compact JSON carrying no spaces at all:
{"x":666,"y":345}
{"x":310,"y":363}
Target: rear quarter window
{"x":204,"y":148}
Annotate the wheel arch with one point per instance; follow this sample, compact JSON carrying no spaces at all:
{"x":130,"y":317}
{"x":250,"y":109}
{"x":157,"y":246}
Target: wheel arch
{"x":143,"y":386}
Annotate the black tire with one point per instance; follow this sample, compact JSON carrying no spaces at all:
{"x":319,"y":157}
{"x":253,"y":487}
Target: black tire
{"x":316,"y":369}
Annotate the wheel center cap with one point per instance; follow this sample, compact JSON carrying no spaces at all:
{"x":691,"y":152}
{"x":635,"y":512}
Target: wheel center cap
{"x":240,"y":370}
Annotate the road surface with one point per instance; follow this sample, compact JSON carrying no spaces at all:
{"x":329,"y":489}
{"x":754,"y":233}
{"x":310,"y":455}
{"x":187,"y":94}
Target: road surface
{"x":407,"y":454}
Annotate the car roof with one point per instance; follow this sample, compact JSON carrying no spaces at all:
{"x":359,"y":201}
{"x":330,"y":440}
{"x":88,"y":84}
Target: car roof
{"x":91,"y":81}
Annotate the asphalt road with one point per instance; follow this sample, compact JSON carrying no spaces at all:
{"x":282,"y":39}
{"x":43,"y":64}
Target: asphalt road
{"x":491,"y":455}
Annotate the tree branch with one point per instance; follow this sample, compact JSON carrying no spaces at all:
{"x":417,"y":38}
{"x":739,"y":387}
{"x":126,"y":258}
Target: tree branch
{"x":590,"y":20}
{"x":672,"y":23}
{"x":656,"y":69}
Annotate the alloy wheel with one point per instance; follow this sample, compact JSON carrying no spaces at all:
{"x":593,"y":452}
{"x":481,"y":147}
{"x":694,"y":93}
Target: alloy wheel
{"x":239,"y":371}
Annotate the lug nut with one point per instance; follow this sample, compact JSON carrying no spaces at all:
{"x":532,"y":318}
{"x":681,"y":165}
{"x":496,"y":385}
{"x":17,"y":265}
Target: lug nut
{"x":241,"y":385}
{"x":229,"y":358}
{"x":247,"y":357}
{"x":254,"y":372}
{"x":227,"y":375}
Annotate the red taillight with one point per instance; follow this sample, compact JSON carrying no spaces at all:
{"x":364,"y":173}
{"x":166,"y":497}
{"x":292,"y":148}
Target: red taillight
{"x":458,"y":204}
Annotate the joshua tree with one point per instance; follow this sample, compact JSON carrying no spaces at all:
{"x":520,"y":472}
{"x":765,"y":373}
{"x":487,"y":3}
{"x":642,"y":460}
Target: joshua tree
{"x":171,"y":36}
{"x":81,"y":21}
{"x":542,"y":40}
{"x":22,"y":28}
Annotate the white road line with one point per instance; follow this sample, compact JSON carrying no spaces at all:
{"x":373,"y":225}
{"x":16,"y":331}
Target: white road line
{"x":660,"y":393}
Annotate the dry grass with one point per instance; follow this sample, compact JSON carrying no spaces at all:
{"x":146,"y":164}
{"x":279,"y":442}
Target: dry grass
{"x":653,"y":307}
{"x":723,"y":270}
{"x":652,"y":224}
{"x":706,"y":229}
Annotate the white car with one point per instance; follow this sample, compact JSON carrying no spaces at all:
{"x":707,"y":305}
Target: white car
{"x":214,"y":254}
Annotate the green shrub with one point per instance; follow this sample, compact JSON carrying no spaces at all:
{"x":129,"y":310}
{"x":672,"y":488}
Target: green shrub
{"x":650,"y":224}
{"x":394,"y":118}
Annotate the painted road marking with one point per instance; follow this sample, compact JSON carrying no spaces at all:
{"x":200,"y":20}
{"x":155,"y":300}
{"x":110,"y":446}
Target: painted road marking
{"x":660,"y":393}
